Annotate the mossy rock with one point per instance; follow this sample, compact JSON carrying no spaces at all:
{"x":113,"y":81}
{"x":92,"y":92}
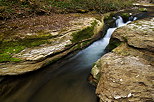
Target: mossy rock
{"x":143,"y":9}
{"x":7,"y":57}
{"x":125,"y":15}
{"x":86,"y":33}
{"x":9,"y":48}
{"x":113,"y":44}
{"x":108,"y":16}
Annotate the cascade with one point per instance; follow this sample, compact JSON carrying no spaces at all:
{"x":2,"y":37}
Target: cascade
{"x":100,"y":45}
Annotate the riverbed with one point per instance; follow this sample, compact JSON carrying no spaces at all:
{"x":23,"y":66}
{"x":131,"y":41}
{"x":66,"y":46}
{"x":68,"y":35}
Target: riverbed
{"x":67,"y":83}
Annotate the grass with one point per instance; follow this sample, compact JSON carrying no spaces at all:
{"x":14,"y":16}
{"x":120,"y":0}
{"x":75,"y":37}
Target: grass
{"x":18,"y":8}
{"x":97,"y":5}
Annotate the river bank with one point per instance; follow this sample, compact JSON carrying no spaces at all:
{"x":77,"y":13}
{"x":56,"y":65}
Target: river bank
{"x":126,"y":73}
{"x":44,"y":41}
{"x":32,"y":43}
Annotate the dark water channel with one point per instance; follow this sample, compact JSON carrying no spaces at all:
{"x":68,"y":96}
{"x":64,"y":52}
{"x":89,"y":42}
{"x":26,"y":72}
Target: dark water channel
{"x":67,"y":83}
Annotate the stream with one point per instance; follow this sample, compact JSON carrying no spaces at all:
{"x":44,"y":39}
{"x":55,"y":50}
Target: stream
{"x":67,"y":83}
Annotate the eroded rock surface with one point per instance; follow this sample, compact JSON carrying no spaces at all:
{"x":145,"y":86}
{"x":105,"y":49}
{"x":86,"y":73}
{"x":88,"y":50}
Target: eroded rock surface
{"x":58,"y":44}
{"x":125,"y":78}
{"x":139,"y":34}
{"x":54,"y":44}
{"x":126,"y":74}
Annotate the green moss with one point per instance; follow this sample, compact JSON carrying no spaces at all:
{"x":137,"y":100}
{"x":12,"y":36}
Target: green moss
{"x":109,"y":16}
{"x":5,"y":57}
{"x":121,"y":52}
{"x":84,"y":34}
{"x":77,"y":46}
{"x":125,"y":15}
{"x":10,"y":45}
{"x":85,"y":43}
{"x":81,"y":45}
{"x":8,"y":48}
{"x":37,"y":43}
{"x":143,"y":9}
{"x":125,"y":53}
{"x":14,"y":49}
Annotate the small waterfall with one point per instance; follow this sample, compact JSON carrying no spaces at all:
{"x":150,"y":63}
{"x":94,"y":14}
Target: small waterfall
{"x":119,"y":23}
{"x":97,"y":49}
{"x":135,"y":18}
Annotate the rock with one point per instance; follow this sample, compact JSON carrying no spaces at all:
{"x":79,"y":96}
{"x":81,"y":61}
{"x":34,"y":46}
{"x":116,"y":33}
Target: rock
{"x":139,"y":34}
{"x":126,"y":74}
{"x":126,"y":50}
{"x":55,"y":44}
{"x":143,"y":9}
{"x":125,"y":78}
{"x":145,"y":1}
{"x":95,"y":71}
{"x":59,"y":43}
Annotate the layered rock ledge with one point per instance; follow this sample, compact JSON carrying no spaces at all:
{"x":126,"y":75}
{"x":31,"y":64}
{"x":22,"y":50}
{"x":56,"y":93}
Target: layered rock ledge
{"x":28,"y":50}
{"x":126,"y":74}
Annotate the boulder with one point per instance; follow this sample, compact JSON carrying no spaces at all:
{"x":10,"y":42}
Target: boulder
{"x":138,"y":34}
{"x":126,"y":74}
{"x":125,"y":78}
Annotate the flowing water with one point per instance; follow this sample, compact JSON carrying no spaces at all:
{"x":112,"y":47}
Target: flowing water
{"x":68,"y":83}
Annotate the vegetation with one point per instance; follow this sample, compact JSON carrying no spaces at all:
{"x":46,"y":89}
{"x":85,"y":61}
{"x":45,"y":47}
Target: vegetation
{"x":22,"y":8}
{"x":143,"y":9}
{"x":25,"y":8}
{"x":8,"y":48}
{"x":84,"y":34}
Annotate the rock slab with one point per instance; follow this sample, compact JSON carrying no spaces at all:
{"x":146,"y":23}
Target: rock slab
{"x":127,"y":73}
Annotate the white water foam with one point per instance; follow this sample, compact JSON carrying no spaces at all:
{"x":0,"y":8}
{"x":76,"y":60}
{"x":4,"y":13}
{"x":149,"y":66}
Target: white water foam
{"x":97,"y":48}
{"x":105,"y":41}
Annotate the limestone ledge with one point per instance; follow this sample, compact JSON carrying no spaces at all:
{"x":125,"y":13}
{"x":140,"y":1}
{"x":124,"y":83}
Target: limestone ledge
{"x":60,"y":44}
